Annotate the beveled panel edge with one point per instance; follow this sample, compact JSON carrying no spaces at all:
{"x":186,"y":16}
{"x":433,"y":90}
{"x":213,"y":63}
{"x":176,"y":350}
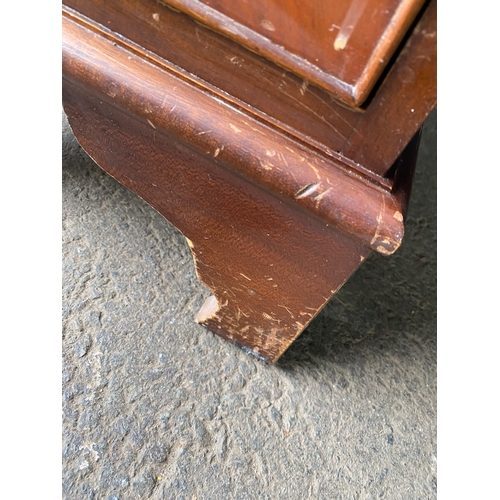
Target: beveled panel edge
{"x":353,"y":95}
{"x":155,"y":94}
{"x":263,"y":46}
{"x":385,"y":49}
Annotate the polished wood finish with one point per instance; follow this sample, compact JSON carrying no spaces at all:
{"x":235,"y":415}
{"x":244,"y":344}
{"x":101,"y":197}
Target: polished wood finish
{"x":341,"y":46}
{"x":370,"y":140}
{"x":344,"y":200}
{"x":246,"y":160}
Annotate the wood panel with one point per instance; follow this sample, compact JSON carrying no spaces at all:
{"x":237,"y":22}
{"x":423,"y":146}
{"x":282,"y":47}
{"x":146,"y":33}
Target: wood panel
{"x":341,"y":46}
{"x":368,"y":140}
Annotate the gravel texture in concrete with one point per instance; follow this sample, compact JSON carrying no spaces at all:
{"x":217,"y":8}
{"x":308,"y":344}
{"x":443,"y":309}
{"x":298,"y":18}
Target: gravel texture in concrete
{"x":155,"y":406}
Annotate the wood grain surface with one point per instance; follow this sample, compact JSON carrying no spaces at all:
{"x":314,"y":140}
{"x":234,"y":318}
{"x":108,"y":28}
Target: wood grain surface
{"x":276,"y":219}
{"x":369,"y":139}
{"x":341,"y":46}
{"x":356,"y":206}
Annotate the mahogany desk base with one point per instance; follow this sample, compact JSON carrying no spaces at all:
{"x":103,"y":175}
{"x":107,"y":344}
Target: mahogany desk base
{"x":276,"y":220}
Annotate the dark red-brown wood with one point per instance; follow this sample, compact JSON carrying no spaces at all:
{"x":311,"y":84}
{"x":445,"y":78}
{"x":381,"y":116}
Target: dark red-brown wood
{"x":238,"y":156}
{"x":370,"y":140}
{"x":341,"y":46}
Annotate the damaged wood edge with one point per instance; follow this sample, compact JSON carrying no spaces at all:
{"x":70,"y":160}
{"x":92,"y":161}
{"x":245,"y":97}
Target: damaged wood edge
{"x":211,"y":304}
{"x":206,"y":316}
{"x":403,"y":18}
{"x":211,"y":314}
{"x":366,"y":212}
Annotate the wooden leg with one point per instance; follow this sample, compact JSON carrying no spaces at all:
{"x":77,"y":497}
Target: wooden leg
{"x":270,"y":266}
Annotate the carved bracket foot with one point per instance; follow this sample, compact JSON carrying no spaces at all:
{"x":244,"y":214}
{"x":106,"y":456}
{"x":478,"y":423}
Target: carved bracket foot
{"x":274,"y":226}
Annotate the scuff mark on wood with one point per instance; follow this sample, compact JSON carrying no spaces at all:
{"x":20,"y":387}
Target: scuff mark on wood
{"x":267,"y":25}
{"x":398,"y":216}
{"x":379,"y":221}
{"x":266,"y":165}
{"x":307,"y":190}
{"x":349,"y":23}
{"x":207,"y":310}
{"x":288,"y":310}
{"x":383,"y":250}
{"x":320,"y":196}
{"x":315,"y":170}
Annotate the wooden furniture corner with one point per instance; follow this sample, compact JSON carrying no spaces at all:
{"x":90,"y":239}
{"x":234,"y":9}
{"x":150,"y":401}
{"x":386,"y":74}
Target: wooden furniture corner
{"x":283,"y":170}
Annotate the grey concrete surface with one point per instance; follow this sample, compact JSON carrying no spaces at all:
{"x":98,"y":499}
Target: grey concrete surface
{"x":155,"y":406}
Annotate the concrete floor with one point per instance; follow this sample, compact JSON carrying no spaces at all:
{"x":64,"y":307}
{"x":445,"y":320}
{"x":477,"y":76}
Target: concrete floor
{"x":157,"y":407}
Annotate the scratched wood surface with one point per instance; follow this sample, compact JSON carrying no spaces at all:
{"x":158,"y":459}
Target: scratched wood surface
{"x":367,"y":212}
{"x":368,"y":141}
{"x":275,"y":227}
{"x":342,"y":46}
{"x":270,"y":268}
